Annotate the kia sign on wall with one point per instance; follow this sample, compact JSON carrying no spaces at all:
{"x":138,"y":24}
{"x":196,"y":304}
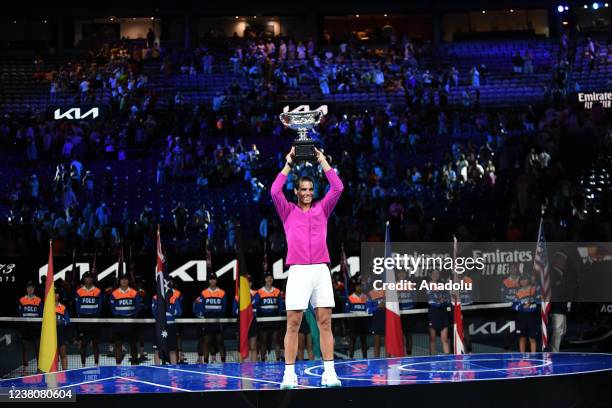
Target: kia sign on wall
{"x":78,"y":113}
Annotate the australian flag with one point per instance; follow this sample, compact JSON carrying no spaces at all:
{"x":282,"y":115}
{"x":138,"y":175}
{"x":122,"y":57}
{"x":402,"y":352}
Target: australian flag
{"x":163,"y":295}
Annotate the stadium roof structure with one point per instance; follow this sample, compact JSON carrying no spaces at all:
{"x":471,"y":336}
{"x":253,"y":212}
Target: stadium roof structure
{"x":157,"y":8}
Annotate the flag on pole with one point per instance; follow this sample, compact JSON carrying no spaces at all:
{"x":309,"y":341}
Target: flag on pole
{"x":458,"y":336}
{"x":208,"y":257}
{"x":47,"y":353}
{"x":540,"y":267}
{"x":132,"y":267}
{"x":394,"y":336}
{"x":76,"y":276}
{"x":121,"y":266}
{"x":243,"y":292}
{"x":163,"y":295}
{"x":94,"y":268}
{"x":344,"y":268}
{"x":265,"y":264}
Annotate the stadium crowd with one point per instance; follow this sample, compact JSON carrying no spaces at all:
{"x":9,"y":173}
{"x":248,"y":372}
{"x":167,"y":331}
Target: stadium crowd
{"x":431,"y":169}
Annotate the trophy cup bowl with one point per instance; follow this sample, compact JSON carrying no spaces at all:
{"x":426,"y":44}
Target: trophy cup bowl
{"x":302,"y":120}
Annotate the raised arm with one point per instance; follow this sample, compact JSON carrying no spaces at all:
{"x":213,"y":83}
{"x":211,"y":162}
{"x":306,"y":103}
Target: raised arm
{"x":335,"y":185}
{"x":280,"y":202}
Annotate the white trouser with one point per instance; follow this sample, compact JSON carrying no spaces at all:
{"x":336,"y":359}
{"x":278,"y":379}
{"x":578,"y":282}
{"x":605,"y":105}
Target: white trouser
{"x":309,"y":283}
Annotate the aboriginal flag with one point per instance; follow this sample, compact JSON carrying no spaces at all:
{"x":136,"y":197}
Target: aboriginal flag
{"x":243,"y":293}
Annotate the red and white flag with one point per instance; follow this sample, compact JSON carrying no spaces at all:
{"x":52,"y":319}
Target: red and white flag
{"x":540,"y":267}
{"x":394,"y":336}
{"x":458,"y":336}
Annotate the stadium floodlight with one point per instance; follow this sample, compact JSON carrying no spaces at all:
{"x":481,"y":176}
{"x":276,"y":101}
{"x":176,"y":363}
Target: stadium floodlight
{"x":595,"y":6}
{"x":560,"y":8}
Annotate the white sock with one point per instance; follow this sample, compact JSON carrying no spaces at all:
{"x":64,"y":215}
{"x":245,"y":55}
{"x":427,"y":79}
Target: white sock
{"x":289,"y":369}
{"x":328,"y":366}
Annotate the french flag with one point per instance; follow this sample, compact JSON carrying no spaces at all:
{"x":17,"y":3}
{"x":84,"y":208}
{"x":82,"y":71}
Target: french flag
{"x":394,"y":336}
{"x":458,"y":335}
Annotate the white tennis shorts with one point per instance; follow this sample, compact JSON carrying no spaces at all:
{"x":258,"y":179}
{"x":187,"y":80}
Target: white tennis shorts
{"x":309,"y":283}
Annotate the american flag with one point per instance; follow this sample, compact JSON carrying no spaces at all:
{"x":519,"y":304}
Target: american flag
{"x":458,"y":336}
{"x":540,"y":267}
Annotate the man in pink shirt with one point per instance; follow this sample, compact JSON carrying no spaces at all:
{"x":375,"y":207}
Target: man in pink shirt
{"x":309,"y":277}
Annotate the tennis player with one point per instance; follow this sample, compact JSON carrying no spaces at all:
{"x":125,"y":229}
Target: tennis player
{"x":309,"y":277}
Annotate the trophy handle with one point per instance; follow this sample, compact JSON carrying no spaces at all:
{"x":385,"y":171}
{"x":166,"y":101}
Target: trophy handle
{"x":284,"y":118}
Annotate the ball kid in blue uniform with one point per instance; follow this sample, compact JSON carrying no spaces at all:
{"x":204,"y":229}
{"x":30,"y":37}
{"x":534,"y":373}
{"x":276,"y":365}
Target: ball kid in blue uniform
{"x":270,"y":304}
{"x":125,"y":302}
{"x":29,"y":306}
{"x":357,"y":326}
{"x":88,"y":301}
{"x":63,"y":320}
{"x":211,"y":304}
{"x":376,"y":307}
{"x":438,"y":302}
{"x":406,"y":300}
{"x":526,"y":305}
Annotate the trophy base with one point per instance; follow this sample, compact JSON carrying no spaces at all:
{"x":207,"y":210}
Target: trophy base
{"x":304,"y":151}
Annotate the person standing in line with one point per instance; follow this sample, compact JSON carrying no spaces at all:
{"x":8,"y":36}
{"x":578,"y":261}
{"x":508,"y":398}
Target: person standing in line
{"x":89,"y":300}
{"x":439,"y":301}
{"x":212,"y":304}
{"x":30,"y":306}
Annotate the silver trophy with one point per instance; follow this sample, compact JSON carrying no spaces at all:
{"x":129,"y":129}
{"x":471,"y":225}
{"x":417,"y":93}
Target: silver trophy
{"x":302,"y":119}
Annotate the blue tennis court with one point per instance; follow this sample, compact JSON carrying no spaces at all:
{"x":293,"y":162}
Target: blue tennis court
{"x":353,"y":373}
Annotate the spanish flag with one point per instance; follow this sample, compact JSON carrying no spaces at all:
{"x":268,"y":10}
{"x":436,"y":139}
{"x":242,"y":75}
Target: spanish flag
{"x":47,"y":354}
{"x":243,"y":292}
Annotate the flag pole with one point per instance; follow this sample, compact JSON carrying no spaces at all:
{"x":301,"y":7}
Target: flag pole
{"x":458,"y":334}
{"x":394,"y":335}
{"x":47,"y":352}
{"x":541,"y":265}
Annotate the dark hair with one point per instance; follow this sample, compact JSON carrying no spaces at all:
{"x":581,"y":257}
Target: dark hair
{"x":302,"y":179}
